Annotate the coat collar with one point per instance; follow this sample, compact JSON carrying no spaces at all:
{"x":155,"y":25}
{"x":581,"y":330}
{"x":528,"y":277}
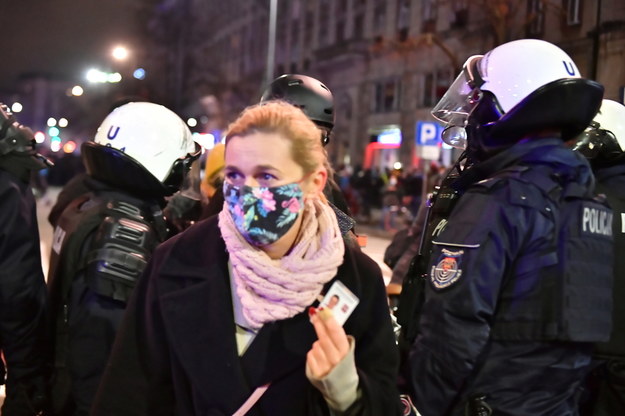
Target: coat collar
{"x":199,"y":321}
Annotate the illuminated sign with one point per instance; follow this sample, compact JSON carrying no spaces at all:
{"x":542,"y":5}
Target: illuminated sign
{"x":428,"y":133}
{"x":391,"y":136}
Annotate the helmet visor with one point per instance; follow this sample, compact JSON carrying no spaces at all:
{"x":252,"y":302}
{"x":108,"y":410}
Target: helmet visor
{"x":462,"y":96}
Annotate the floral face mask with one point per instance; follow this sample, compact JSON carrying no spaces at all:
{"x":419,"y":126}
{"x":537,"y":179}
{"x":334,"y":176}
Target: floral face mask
{"x":264,"y":214}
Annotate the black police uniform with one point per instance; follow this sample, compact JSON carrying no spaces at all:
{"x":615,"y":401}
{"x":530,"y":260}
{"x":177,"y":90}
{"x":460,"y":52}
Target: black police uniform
{"x":102,"y":242}
{"x":497,"y":319}
{"x":22,"y":290}
{"x":608,"y":379}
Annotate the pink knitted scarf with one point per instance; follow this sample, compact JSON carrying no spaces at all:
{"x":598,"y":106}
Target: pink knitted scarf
{"x":271,"y":290}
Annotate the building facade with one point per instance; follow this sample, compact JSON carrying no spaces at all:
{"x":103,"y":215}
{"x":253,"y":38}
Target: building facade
{"x":386,"y":61}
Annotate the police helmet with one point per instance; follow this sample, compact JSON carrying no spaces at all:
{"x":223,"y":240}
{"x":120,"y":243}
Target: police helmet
{"x":307,"y":93}
{"x":603,"y":142}
{"x":18,"y":139}
{"x":521,"y":87}
{"x":14,"y":137}
{"x":143,"y":147}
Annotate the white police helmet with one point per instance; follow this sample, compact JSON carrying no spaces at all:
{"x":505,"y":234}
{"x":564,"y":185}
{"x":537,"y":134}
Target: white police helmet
{"x":143,"y":148}
{"x":611,"y":117}
{"x":150,"y":133}
{"x":603,"y":142}
{"x":521,"y":86}
{"x":515,"y":69}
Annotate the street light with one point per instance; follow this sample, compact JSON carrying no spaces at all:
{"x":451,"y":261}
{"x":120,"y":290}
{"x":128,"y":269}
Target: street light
{"x":40,"y":137}
{"x":120,"y":53}
{"x":139,"y":73}
{"x":77,"y":91}
{"x":100,"y":77}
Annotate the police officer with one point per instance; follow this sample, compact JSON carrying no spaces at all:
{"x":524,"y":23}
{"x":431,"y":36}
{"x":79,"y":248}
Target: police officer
{"x":603,"y":145}
{"x":317,"y":102}
{"x":510,"y":314}
{"x":104,"y":238}
{"x":22,"y":286}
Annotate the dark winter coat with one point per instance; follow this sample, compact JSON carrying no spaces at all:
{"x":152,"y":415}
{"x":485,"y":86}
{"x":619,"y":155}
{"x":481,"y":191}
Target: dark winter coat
{"x":176,"y":352}
{"x":22,"y":295}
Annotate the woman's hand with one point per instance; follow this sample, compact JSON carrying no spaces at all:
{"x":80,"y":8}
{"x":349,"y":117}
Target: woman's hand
{"x":331,"y":346}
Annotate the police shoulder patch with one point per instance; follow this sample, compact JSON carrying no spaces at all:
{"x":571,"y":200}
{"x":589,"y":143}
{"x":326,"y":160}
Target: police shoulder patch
{"x":447,"y":271}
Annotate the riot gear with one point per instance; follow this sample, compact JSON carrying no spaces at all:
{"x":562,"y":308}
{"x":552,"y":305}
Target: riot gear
{"x":143,"y":147}
{"x":17,"y":147}
{"x":603,"y":143}
{"x":14,"y":137}
{"x":503,"y":96}
{"x":604,"y":140}
{"x":105,"y":237}
{"x":509,"y":313}
{"x":23,"y":308}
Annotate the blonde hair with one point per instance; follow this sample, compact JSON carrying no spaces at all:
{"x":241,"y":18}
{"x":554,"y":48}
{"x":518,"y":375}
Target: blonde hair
{"x":290,"y":122}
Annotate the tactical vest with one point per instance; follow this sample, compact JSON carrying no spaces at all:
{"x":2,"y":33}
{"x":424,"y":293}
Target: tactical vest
{"x":120,"y":237}
{"x":564,"y":292}
{"x":440,"y":206}
{"x":615,"y":347}
{"x":108,"y":241}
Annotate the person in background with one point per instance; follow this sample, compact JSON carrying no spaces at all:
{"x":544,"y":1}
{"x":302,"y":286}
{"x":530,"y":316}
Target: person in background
{"x":23,"y":306}
{"x":224,"y":317}
{"x":603,"y":144}
{"x":391,"y":204}
{"x":510,"y":313}
{"x":104,"y":237}
{"x":213,"y":181}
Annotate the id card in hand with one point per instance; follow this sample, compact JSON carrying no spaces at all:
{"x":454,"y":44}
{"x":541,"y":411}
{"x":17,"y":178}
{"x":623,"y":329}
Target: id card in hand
{"x":341,"y":301}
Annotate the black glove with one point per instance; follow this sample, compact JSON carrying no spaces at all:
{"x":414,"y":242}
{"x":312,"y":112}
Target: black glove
{"x":181,"y":212}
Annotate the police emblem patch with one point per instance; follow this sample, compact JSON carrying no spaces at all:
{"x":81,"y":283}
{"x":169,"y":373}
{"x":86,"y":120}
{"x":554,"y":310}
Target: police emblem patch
{"x":447,"y":271}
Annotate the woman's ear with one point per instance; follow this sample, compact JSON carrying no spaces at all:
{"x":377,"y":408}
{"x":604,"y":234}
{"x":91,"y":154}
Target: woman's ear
{"x":317,"y":181}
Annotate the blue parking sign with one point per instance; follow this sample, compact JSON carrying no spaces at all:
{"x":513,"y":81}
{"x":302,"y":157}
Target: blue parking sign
{"x":428,"y":133}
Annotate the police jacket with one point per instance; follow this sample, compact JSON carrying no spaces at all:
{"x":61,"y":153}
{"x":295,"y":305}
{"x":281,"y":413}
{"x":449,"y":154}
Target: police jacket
{"x":611,"y":182}
{"x":176,"y":352}
{"x":22,"y":286}
{"x":500,"y":318}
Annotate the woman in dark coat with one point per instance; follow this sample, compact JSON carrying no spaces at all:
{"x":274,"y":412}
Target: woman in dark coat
{"x":225,"y":313}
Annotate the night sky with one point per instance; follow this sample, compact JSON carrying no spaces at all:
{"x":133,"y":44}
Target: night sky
{"x":61,"y":37}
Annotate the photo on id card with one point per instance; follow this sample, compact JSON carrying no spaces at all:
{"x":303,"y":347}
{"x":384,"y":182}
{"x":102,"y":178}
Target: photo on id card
{"x":341,"y":301}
